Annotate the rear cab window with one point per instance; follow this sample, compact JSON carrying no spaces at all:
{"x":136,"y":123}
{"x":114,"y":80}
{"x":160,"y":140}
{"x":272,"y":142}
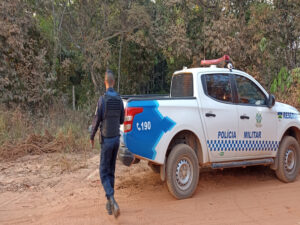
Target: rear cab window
{"x":182,"y":85}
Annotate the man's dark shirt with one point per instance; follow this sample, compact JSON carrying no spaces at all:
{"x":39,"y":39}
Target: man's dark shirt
{"x":99,"y":115}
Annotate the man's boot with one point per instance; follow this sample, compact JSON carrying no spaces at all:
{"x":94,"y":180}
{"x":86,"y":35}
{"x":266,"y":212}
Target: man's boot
{"x":114,"y":206}
{"x":108,"y":207}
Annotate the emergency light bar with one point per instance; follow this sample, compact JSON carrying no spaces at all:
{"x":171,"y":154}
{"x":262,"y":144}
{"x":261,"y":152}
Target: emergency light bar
{"x":225,"y":59}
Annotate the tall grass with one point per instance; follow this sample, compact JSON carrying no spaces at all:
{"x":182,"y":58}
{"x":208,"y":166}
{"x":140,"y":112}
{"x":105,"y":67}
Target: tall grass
{"x":58,"y":130}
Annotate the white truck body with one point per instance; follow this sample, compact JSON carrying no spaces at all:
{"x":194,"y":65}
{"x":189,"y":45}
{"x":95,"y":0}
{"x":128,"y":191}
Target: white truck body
{"x":235,"y":126}
{"x":222,"y":137}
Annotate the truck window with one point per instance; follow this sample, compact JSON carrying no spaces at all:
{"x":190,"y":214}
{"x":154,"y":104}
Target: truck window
{"x":248,"y":92}
{"x":182,"y":85}
{"x":218,"y":87}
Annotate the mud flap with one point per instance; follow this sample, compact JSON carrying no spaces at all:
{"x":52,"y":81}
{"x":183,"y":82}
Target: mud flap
{"x":163,"y":172}
{"x":125,"y":156}
{"x":274,"y":166}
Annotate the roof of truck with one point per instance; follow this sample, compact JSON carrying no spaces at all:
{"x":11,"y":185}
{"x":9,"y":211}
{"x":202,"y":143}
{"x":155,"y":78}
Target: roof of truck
{"x":214,"y":69}
{"x":210,"y":69}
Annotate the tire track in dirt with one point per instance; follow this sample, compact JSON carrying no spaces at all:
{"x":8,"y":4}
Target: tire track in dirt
{"x":229,"y":197}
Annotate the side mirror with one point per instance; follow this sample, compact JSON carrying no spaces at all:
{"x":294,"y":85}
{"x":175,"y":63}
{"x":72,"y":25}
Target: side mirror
{"x":271,"y":101}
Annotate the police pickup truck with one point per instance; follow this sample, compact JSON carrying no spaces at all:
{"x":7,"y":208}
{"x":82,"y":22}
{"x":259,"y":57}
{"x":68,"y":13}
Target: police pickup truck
{"x":213,"y":117}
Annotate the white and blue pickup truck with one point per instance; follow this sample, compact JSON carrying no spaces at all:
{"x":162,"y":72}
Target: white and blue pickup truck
{"x":213,"y":117}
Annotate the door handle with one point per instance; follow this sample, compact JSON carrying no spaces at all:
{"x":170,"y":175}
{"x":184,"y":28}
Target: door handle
{"x":244,"y":117}
{"x":210,"y":115}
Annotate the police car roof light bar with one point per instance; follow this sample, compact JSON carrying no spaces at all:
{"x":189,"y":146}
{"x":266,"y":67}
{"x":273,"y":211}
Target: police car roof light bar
{"x":225,"y":58}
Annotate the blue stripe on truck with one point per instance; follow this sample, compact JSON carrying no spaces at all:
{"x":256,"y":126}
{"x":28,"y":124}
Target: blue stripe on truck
{"x":142,"y":140}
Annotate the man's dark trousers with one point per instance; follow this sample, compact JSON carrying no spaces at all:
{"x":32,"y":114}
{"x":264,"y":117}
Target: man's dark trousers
{"x":108,"y":156}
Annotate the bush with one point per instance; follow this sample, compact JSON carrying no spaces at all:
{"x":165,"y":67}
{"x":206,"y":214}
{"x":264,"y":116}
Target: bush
{"x":286,"y":86}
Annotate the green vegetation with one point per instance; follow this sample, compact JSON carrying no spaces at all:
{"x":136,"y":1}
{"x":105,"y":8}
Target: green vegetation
{"x":48,"y":48}
{"x":286,"y":86}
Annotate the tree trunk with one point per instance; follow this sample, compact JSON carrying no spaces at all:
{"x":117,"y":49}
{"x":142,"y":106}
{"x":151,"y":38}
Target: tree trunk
{"x":94,"y":79}
{"x":119,"y":67}
{"x":53,"y":72}
{"x":73,"y":94}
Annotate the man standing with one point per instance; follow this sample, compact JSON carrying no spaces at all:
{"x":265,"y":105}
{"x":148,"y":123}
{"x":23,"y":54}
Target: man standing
{"x":109,"y":115}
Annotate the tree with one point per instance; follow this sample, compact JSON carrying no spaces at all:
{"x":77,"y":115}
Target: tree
{"x":23,"y":67}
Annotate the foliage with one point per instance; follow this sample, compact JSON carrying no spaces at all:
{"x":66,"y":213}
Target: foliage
{"x":283,"y":81}
{"x":286,"y":86}
{"x":47,"y":47}
{"x":23,"y":66}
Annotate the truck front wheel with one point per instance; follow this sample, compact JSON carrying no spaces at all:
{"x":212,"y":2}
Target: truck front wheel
{"x":288,"y":159}
{"x":182,"y":171}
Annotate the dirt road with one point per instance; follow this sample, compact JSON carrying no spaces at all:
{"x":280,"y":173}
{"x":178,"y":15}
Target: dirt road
{"x":31,"y":195}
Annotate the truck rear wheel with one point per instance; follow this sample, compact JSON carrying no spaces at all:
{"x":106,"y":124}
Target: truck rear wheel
{"x":288,"y":159}
{"x":182,"y":171}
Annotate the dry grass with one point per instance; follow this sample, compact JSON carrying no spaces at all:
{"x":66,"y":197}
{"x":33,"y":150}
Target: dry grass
{"x":61,"y":130}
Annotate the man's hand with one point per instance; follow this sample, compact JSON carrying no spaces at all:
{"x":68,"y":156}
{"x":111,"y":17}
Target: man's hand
{"x":92,"y":143}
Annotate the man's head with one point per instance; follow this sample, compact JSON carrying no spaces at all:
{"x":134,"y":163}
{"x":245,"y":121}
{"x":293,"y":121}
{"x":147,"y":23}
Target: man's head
{"x":109,"y":79}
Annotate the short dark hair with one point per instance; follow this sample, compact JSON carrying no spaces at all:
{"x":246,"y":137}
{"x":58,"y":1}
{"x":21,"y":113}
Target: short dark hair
{"x":109,"y":77}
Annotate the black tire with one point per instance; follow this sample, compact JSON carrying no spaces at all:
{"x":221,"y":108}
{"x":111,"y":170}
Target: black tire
{"x":288,"y":159}
{"x":182,"y":171}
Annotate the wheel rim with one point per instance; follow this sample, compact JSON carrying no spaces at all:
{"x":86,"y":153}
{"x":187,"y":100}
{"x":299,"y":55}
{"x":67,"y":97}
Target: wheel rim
{"x":290,"y":160}
{"x":184,"y":173}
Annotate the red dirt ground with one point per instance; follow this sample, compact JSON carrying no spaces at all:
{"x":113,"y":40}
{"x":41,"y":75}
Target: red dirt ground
{"x":34,"y":191}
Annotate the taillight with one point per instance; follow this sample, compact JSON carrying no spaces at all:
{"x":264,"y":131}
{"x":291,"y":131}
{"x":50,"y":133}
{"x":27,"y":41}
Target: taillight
{"x":130,"y":112}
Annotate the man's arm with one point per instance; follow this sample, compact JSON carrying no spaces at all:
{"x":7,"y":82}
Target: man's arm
{"x":122,"y":113}
{"x":97,"y":118}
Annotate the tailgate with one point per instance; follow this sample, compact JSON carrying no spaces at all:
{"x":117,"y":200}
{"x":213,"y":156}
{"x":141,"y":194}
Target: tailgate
{"x":122,"y":125}
{"x":144,"y":126}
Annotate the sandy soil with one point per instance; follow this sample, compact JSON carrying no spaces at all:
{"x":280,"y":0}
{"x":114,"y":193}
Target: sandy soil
{"x":38,"y":190}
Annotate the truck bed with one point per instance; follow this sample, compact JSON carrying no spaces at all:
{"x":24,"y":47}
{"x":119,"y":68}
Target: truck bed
{"x":145,"y":96}
{"x":128,"y":98}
